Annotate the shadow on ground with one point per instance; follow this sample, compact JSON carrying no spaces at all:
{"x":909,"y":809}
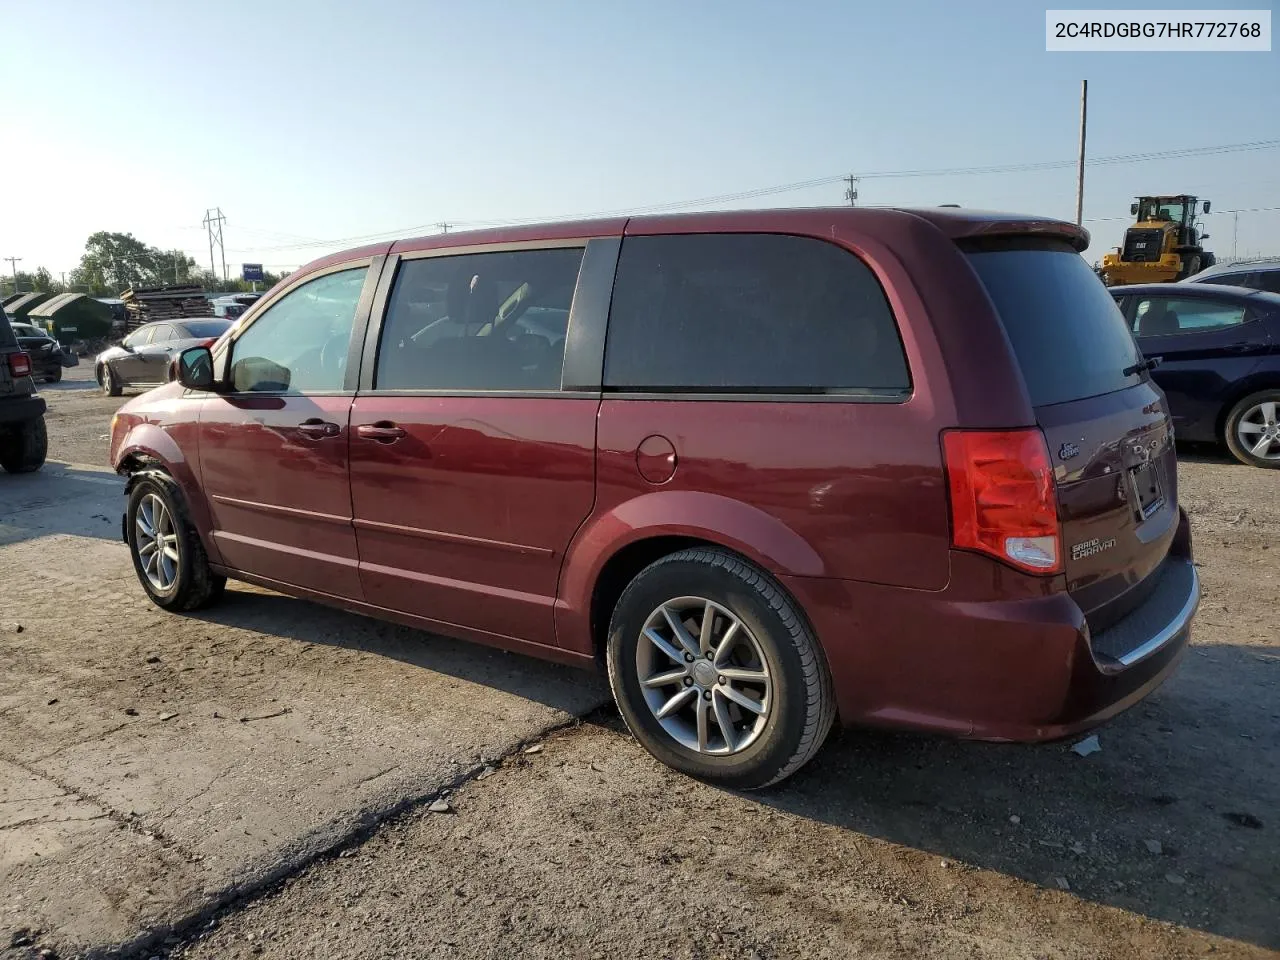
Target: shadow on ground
{"x":1177,"y":818}
{"x":540,"y":681}
{"x":60,"y":499}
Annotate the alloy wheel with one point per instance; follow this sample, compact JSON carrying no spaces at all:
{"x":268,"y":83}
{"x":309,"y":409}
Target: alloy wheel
{"x":1258,"y":431}
{"x":156,"y":542}
{"x":704,"y":676}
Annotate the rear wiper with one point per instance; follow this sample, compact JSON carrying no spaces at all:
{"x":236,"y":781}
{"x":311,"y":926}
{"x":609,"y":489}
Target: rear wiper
{"x":1141,"y":366}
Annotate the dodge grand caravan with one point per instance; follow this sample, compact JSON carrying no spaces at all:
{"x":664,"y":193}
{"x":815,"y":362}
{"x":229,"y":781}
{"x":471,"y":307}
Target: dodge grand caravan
{"x":906,"y":468}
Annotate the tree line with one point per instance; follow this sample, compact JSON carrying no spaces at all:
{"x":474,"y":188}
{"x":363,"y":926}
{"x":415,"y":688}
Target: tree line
{"x":112,"y":262}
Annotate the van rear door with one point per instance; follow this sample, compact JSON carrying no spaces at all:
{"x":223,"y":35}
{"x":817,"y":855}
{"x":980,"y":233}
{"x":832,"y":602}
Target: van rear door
{"x":1106,"y":423}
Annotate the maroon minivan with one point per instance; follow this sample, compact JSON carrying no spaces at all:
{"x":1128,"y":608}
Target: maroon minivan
{"x":903,"y":466}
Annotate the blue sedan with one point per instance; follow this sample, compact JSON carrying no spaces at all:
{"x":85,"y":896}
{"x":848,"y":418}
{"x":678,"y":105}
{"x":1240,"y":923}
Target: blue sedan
{"x":1218,"y":349}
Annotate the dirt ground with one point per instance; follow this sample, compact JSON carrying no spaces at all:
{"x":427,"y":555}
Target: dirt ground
{"x":288,"y":836}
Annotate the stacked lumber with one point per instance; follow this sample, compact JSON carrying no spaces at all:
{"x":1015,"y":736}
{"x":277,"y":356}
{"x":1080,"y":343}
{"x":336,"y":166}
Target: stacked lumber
{"x":147,"y":304}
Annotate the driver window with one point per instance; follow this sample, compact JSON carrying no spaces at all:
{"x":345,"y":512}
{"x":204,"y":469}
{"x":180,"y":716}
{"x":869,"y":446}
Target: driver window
{"x":299,"y":344}
{"x":139,"y":337}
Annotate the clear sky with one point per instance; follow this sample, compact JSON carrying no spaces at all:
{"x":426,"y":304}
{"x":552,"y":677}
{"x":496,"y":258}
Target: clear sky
{"x":326,"y":120}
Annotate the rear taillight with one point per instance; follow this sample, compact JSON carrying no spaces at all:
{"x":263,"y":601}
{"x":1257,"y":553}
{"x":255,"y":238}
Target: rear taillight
{"x":1002,"y":497}
{"x":19,"y":365}
{"x":208,"y":344}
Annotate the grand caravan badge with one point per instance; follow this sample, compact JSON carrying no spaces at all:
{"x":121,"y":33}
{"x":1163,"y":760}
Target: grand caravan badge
{"x":1091,"y":548}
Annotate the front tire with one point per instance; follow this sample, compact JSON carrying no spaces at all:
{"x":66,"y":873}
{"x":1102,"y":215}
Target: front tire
{"x":108,"y":381}
{"x":1252,"y":429}
{"x":715,"y":671}
{"x":168,"y":556}
{"x":24,"y":446}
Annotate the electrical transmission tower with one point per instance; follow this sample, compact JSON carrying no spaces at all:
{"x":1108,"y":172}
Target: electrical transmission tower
{"x":212,"y":222}
{"x":851,"y":192}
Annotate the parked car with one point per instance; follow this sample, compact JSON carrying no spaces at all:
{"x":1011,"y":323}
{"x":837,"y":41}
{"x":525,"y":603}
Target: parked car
{"x":1218,"y":350}
{"x":23,"y":441}
{"x":227,"y":308}
{"x":142,"y":359}
{"x":903,"y":467}
{"x":1255,"y":274}
{"x":47,"y":356}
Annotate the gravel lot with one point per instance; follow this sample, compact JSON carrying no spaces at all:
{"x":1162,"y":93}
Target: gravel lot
{"x":261,"y":832}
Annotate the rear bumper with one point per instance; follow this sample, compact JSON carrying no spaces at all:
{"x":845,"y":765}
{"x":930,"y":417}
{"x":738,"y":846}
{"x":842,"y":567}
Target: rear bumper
{"x":1021,"y":669}
{"x":18,"y":409}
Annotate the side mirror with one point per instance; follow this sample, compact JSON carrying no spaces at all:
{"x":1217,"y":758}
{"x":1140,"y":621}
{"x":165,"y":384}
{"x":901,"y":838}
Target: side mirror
{"x":1206,"y":206}
{"x":1204,"y":236}
{"x":195,"y":368}
{"x":1133,"y":209}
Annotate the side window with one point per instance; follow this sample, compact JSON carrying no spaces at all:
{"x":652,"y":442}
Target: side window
{"x":299,"y":344}
{"x":1168,"y":316}
{"x":1268,"y":280}
{"x":1230,"y":280}
{"x":139,"y":337}
{"x":161,"y":333}
{"x":1123,"y":304}
{"x":484,"y":321}
{"x":749,"y":312}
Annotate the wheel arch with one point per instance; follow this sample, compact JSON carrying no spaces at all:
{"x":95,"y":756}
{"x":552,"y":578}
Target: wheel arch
{"x":613,"y":547}
{"x":148,"y":448}
{"x":1254,"y":383}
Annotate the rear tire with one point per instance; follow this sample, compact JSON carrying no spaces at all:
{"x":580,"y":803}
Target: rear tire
{"x":23,"y":446}
{"x":757,"y":671}
{"x":108,"y":381}
{"x":1252,"y":421}
{"x":53,"y":376}
{"x":168,"y":556}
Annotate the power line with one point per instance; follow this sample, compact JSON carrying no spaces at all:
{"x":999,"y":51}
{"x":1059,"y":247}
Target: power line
{"x":1026,"y":167}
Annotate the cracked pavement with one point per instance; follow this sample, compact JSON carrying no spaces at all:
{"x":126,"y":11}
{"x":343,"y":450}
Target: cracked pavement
{"x":148,"y":766}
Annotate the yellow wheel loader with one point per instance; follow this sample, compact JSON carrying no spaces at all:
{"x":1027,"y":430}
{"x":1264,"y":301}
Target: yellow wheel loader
{"x":1164,"y":244}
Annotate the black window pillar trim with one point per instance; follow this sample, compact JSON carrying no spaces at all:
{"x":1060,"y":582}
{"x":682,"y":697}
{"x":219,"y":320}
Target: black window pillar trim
{"x":364,"y":338}
{"x":583,"y":369}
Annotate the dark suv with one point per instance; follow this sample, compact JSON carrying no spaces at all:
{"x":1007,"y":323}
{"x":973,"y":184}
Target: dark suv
{"x":907,"y":467}
{"x":23,"y":442}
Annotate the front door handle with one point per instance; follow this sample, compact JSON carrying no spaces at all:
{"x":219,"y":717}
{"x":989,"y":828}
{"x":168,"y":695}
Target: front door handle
{"x":384,"y":431}
{"x":318,"y":429}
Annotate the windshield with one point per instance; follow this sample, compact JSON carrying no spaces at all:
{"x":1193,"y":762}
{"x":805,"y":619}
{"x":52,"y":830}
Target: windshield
{"x":1161,"y":210}
{"x":1070,"y":338}
{"x":207,"y":328}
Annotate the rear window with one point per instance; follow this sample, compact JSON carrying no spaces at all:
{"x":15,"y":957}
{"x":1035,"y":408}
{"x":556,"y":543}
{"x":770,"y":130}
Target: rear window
{"x":1070,"y":338}
{"x":207,"y":328}
{"x":750,"y":313}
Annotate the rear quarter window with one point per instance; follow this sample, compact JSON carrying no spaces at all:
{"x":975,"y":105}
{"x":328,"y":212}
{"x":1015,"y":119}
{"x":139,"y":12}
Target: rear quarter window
{"x":1068,"y":334}
{"x":750,"y":313}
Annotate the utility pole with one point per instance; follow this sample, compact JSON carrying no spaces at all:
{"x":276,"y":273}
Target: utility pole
{"x":1084,"y":111}
{"x":13,"y":262}
{"x":1235,"y":231}
{"x":851,"y":192}
{"x":444,"y":227}
{"x":213,"y":224}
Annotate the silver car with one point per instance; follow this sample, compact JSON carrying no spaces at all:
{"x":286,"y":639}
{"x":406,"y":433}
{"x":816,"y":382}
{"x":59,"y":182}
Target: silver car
{"x":142,"y":358}
{"x":1255,"y":274}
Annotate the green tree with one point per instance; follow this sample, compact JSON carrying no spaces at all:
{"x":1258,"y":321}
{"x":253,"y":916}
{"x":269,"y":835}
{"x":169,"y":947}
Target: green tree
{"x":114,"y":261}
{"x":41,"y":281}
